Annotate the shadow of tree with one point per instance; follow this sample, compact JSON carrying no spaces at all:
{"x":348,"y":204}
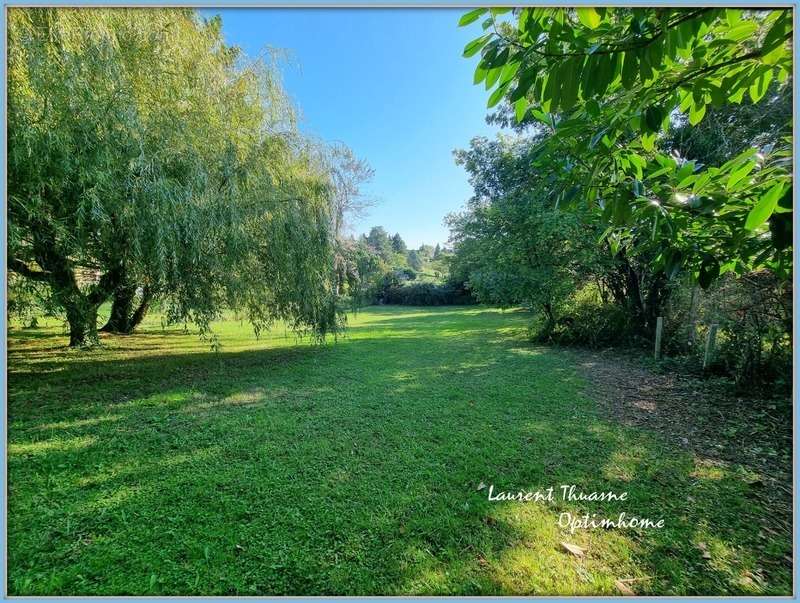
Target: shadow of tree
{"x":353,"y":469}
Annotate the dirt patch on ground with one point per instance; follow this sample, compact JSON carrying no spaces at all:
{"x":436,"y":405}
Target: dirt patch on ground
{"x":704,"y":416}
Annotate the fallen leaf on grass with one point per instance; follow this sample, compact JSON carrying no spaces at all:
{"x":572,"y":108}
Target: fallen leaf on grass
{"x":574,"y":549}
{"x":704,"y":550}
{"x":481,"y":486}
{"x":623,"y":588}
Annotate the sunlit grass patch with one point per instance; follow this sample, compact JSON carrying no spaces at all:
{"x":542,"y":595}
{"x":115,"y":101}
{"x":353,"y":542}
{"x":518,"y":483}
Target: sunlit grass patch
{"x":155,"y":466}
{"x":58,"y":444}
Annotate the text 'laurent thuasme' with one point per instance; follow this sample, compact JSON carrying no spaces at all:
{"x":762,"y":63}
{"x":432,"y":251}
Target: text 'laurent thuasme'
{"x":571,"y":493}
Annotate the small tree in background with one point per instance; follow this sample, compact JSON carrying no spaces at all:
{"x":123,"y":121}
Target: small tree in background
{"x":414,"y":260}
{"x":398,"y":244}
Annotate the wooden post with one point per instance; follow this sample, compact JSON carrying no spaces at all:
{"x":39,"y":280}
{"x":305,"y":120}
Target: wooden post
{"x":693,"y":315}
{"x":711,"y":340}
{"x":659,"y":328}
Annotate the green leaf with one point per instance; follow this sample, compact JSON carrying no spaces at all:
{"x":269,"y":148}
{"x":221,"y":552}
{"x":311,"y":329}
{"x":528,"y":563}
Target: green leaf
{"x":696,"y":113}
{"x":645,"y":69}
{"x":764,"y":208}
{"x":520,"y":108}
{"x":685,"y":171}
{"x":526,"y":79}
{"x":622,"y":209}
{"x":492,"y":75}
{"x":653,"y":116}
{"x":701,"y":182}
{"x":524,"y":16}
{"x":551,"y":91}
{"x":471,"y":17}
{"x":604,"y":74}
{"x":589,"y":17}
{"x":709,"y":271}
{"x":592,"y":107}
{"x":497,"y":95}
{"x":639,"y":163}
{"x":742,"y":31}
{"x":773,"y":57}
{"x":541,"y":116}
{"x":588,"y":85}
{"x":648,"y":142}
{"x":760,"y":86}
{"x":508,"y":72}
{"x":737,"y":96}
{"x":740,"y":159}
{"x":733,"y":16}
{"x":596,"y":138}
{"x":630,"y":69}
{"x":779,"y":30}
{"x":499,"y":59}
{"x":673,"y":261}
{"x":473,"y":47}
{"x":738,"y":174}
{"x":569,"y":75}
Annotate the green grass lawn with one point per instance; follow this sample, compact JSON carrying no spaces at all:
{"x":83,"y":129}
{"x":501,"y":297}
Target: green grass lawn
{"x":155,"y":466}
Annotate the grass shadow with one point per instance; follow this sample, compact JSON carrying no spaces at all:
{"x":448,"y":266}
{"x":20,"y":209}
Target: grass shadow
{"x":353,"y":469}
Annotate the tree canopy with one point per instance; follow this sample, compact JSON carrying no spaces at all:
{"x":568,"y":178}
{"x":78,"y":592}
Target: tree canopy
{"x":146,"y":155}
{"x":606,"y":84}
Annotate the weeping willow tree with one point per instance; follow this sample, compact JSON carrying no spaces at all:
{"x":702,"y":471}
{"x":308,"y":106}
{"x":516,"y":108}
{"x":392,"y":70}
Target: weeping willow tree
{"x":147,"y":159}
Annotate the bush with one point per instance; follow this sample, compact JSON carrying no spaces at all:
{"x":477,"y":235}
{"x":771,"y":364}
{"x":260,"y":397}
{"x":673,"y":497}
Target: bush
{"x":585,"y":320}
{"x":754,"y":314}
{"x":426,"y":294}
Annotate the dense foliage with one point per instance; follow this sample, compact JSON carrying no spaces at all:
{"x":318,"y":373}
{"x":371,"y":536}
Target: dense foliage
{"x":381,"y":269}
{"x":652,"y":153}
{"x":427,"y":294}
{"x":146,"y":159}
{"x":606,"y":83}
{"x":513,"y":248}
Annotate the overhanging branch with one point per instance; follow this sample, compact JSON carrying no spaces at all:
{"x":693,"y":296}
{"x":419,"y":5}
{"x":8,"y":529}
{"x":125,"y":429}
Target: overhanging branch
{"x":22,"y":268}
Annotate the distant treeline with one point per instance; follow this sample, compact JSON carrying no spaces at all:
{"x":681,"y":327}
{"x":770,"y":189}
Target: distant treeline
{"x":428,"y":294}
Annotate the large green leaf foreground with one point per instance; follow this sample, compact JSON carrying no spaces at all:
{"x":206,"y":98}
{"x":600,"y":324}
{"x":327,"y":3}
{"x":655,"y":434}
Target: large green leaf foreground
{"x":605,"y":84}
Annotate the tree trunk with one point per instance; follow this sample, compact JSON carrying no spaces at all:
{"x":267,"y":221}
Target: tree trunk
{"x":655,"y":300}
{"x":58,"y":271}
{"x":121,"y":309}
{"x":642,"y":294}
{"x":124,"y":317}
{"x":82,"y":319}
{"x":141,"y":311}
{"x":550,"y":323}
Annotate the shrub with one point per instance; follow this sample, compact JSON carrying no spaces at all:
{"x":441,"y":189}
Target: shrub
{"x":754,"y":314}
{"x":426,"y":294}
{"x":585,"y":320}
{"x":754,"y":343}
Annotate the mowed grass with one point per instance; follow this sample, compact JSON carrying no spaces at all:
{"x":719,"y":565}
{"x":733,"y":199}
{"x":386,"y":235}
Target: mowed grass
{"x":275,"y":466}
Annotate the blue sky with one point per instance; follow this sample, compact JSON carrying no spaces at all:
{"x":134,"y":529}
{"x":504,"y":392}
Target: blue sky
{"x":392,"y":85}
